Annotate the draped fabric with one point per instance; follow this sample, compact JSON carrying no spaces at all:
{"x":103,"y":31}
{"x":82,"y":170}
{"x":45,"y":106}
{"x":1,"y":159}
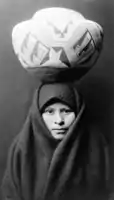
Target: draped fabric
{"x":41,"y":168}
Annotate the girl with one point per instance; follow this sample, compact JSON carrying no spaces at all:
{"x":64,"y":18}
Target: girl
{"x":56,"y":156}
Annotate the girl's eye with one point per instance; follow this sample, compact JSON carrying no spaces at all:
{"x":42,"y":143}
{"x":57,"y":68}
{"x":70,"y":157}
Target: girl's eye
{"x":49,"y":111}
{"x":67,"y":111}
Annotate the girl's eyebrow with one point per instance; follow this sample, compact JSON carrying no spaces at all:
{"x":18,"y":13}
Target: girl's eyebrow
{"x":49,"y":108}
{"x":63,"y":109}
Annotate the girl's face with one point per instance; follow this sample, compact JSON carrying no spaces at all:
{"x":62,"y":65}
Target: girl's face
{"x":58,"y":117}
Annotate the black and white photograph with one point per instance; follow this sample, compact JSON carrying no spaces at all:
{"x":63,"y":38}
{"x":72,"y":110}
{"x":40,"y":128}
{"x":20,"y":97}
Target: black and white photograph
{"x":56,"y":100}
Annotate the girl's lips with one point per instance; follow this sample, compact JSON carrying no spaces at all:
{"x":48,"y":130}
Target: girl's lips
{"x":60,"y":130}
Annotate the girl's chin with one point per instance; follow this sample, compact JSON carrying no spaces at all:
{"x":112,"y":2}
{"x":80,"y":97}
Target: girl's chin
{"x":58,"y":136}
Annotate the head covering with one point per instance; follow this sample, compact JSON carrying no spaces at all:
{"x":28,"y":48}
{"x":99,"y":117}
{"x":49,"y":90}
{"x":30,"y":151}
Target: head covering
{"x":58,"y":92}
{"x":57,"y":44}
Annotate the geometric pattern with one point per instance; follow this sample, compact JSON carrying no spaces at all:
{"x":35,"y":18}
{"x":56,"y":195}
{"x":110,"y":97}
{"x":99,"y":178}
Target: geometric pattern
{"x":85,"y":45}
{"x":63,"y":56}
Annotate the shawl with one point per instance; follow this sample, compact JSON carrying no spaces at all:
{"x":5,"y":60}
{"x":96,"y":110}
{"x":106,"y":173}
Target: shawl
{"x":41,"y":168}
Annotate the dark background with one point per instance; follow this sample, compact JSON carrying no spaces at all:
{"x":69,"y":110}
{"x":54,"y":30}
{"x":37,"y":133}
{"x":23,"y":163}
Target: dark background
{"x":16,"y":86}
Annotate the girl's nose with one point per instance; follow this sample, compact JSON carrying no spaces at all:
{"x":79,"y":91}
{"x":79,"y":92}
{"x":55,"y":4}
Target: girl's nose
{"x":59,"y":119}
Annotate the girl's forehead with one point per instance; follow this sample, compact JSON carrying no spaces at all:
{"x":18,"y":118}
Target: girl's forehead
{"x":58,"y":105}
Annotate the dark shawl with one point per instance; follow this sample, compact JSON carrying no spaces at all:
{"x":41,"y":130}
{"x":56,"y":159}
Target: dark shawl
{"x":41,"y":168}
